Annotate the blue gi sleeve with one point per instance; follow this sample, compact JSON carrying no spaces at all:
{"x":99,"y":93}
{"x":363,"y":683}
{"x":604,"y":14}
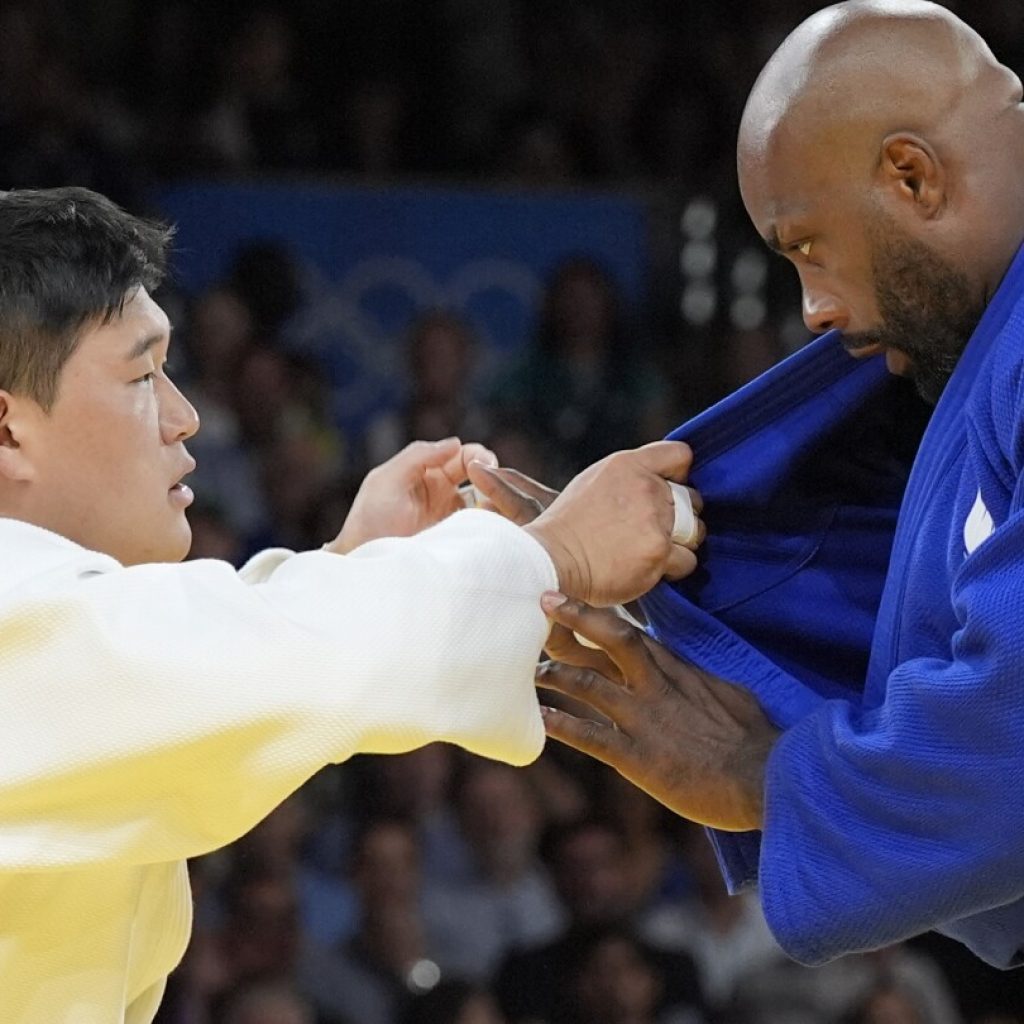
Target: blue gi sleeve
{"x":887,"y":822}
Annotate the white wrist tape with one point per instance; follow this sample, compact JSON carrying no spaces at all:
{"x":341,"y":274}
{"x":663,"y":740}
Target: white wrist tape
{"x":684,"y":529}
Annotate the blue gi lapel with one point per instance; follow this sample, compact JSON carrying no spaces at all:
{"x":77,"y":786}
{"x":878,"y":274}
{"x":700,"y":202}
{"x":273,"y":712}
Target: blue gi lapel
{"x":802,"y":472}
{"x":943,"y":443}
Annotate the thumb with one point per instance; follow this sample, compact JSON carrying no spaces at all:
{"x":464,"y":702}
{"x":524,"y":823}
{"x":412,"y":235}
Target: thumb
{"x":505,"y":498}
{"x":456,"y":468}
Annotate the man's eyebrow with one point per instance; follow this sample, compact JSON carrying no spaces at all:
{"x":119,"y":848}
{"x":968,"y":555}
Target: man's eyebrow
{"x":143,"y":345}
{"x":772,"y":240}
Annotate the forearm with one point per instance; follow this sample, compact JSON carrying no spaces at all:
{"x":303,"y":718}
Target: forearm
{"x":154,"y":713}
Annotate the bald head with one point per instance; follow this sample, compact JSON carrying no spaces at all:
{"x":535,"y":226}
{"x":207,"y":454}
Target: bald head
{"x":873,"y":66}
{"x":881,"y":151}
{"x":857,"y":73}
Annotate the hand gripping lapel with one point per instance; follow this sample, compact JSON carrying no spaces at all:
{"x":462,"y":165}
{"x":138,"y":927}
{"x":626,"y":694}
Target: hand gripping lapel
{"x":802,"y":472}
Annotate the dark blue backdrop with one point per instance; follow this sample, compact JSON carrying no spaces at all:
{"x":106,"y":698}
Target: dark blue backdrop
{"x":370,"y":258}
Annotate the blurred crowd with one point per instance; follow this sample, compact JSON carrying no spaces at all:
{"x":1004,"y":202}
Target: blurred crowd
{"x":435,"y":888}
{"x":596,"y":91}
{"x":274,"y":467}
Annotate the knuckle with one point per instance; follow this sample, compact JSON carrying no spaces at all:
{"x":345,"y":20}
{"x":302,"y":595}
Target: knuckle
{"x":591,"y":733}
{"x":611,"y":463}
{"x":551,"y":673}
{"x":415,"y":450}
{"x":557,"y":646}
{"x":623,"y":634}
{"x":585,"y":681}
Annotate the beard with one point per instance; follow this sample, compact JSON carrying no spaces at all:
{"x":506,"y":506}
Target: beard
{"x":927,"y":309}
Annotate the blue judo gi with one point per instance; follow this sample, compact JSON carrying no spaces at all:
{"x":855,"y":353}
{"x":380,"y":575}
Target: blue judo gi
{"x":864,"y":577}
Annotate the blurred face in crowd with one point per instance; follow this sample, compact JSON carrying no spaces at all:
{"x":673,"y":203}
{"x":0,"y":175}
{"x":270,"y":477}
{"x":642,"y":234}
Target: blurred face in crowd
{"x":268,"y":1004}
{"x":387,"y":864}
{"x":500,"y":818}
{"x":222,"y":329}
{"x":616,"y":985}
{"x":263,"y":934}
{"x":480,"y":1008}
{"x":590,"y":873}
{"x":890,"y":1006}
{"x":440,"y":357}
{"x":582,"y":310}
{"x":415,"y":783}
{"x":104,"y":465}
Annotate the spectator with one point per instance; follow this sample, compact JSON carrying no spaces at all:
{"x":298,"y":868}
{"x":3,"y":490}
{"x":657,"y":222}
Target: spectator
{"x":453,"y":1002}
{"x":506,"y":900}
{"x":259,"y":117}
{"x":265,"y":277}
{"x":417,"y":788}
{"x":656,"y":870}
{"x":212,"y":535}
{"x":726,"y":936}
{"x":372,"y":976}
{"x":368,"y":129}
{"x":440,"y":359}
{"x":618,"y":980}
{"x":268,"y":1004}
{"x":589,"y":865}
{"x":583,"y":381}
{"x":784,"y":992}
{"x":220,"y":334}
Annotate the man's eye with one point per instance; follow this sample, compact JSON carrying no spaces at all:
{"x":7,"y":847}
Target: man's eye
{"x":145,"y":378}
{"x":805,"y":249}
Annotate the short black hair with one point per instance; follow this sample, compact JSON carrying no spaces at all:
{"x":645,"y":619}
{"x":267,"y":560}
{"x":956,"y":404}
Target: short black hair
{"x":69,"y":257}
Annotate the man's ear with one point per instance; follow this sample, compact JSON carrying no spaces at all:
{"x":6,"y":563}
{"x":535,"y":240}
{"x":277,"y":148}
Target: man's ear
{"x":15,"y":465}
{"x":911,"y":168}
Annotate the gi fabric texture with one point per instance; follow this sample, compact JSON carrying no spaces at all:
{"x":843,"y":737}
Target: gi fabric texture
{"x":864,"y":577}
{"x":155,"y":713}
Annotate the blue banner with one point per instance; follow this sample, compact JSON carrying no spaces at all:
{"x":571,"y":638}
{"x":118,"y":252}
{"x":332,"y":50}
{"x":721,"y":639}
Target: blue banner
{"x":370,"y":259}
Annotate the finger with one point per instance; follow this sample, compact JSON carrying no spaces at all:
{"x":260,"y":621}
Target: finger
{"x":696,"y":500}
{"x":684,"y":525}
{"x":522,"y":482}
{"x":474,"y":452}
{"x":420,"y":455}
{"x":506,"y":499}
{"x":456,"y":468}
{"x":681,"y":562}
{"x":600,"y":741}
{"x":562,"y":645}
{"x":589,"y":687}
{"x":622,"y":642}
{"x":687,"y":528}
{"x":702,"y":533}
{"x":442,"y":497}
{"x":669,"y":459}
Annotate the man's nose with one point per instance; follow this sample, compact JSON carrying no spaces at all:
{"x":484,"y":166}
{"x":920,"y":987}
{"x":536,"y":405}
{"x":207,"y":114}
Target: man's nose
{"x":178,"y":417}
{"x":823,"y":311}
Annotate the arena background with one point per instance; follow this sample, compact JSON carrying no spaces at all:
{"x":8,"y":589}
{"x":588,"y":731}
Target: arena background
{"x":519,"y":221}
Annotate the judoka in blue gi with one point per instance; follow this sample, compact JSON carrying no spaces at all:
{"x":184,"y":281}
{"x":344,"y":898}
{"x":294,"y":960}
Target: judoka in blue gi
{"x":845,"y":705}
